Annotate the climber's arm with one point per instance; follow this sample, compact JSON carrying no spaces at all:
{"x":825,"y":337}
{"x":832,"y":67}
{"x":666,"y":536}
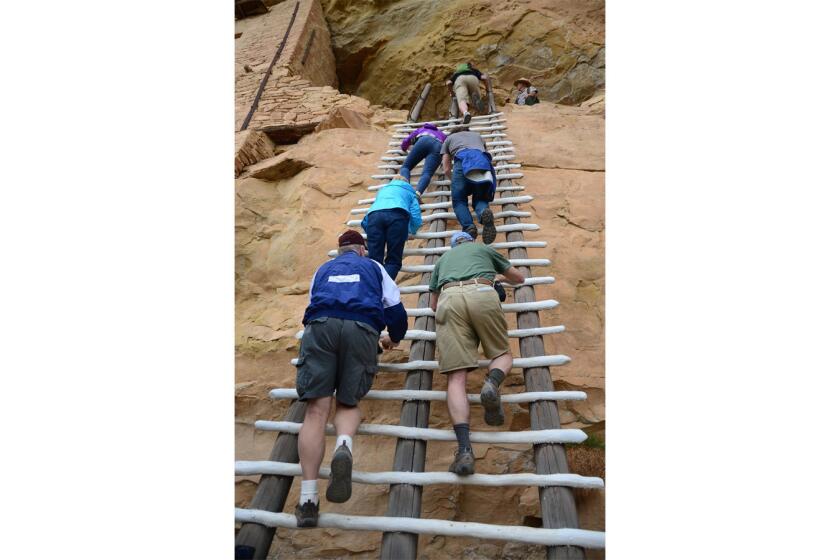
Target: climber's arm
{"x":513,"y":275}
{"x":447,"y":166}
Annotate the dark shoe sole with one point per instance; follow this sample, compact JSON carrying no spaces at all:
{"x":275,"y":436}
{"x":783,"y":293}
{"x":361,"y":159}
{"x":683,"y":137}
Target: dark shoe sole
{"x":341,"y":484}
{"x":467,"y":118}
{"x":488,"y":234}
{"x":305,"y":521}
{"x":492,"y":403}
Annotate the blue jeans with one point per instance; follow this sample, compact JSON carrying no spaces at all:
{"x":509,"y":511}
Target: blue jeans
{"x":387,"y":228}
{"x":461,"y":191}
{"x":428,"y":148}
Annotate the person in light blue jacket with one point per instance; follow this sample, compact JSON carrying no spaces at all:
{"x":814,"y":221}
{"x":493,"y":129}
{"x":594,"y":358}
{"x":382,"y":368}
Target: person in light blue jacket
{"x":393,"y":215}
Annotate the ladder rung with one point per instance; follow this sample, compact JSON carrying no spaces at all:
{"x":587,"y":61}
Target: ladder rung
{"x":473,"y":398}
{"x":250,"y":468}
{"x":530,"y":535}
{"x":557,"y":435}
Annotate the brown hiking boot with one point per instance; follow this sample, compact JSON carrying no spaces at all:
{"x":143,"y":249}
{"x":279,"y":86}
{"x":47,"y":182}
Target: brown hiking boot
{"x":492,"y":403}
{"x":472,"y":230}
{"x":307,"y":514}
{"x":463,"y":464}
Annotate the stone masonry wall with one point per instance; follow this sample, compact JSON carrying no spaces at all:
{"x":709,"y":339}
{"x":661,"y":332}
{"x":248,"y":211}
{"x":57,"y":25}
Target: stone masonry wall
{"x":293,"y":102}
{"x":310,"y":56}
{"x":295,"y":82}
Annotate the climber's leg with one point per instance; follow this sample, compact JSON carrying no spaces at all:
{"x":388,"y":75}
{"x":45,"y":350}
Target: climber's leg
{"x":462,"y":93}
{"x":503,"y":363}
{"x":315,"y":384}
{"x":357,"y":366}
{"x":460,"y":198}
{"x":396,"y":234}
{"x":459,"y":412}
{"x":311,"y":437}
{"x":456,"y":396}
{"x":479,"y":203}
{"x":347,"y":420}
{"x":431,"y":149}
{"x":311,"y":452}
{"x":375,"y":229}
{"x":411,"y":160}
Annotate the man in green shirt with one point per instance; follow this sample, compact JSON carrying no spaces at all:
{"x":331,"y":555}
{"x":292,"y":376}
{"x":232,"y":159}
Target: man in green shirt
{"x":467,"y":311}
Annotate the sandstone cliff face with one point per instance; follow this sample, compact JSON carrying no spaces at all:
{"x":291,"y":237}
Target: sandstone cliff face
{"x":289,"y":211}
{"x":386,"y":49}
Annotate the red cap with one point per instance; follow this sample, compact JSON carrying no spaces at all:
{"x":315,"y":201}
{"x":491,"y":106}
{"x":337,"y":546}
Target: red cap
{"x":351,"y":237}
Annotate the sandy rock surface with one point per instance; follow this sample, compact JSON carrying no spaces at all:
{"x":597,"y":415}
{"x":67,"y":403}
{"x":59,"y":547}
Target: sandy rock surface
{"x":385,"y":48}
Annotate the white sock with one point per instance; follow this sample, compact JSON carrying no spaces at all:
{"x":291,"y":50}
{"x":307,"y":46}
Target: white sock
{"x":308,"y":491}
{"x":346,"y":440}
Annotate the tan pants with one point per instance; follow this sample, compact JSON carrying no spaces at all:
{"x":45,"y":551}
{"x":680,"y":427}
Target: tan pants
{"x":467,"y":315}
{"x":465,"y":86}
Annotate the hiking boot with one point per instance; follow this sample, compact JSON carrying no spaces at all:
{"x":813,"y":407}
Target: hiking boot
{"x":472,"y":230}
{"x":463,"y":464}
{"x":341,"y":471}
{"x":488,"y":234}
{"x":467,"y":118}
{"x":307,"y":514}
{"x":492,"y":403}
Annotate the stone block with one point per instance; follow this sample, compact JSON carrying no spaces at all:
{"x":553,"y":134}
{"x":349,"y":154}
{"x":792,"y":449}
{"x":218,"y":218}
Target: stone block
{"x":343,"y":117}
{"x":250,"y":147}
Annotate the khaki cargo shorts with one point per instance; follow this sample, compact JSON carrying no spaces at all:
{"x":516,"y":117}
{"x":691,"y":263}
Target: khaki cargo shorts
{"x":465,"y":86}
{"x":467,"y":315}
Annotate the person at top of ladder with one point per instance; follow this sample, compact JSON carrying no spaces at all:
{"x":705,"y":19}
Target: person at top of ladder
{"x":472,"y":174}
{"x":467,"y":311}
{"x":393,"y":215}
{"x":425,"y":145}
{"x":463,"y":84}
{"x":351,"y":299}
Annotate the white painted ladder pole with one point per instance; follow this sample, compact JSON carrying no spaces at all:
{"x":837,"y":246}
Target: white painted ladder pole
{"x":560,"y":435}
{"x":530,"y":535}
{"x":250,"y":468}
{"x":473,"y":398}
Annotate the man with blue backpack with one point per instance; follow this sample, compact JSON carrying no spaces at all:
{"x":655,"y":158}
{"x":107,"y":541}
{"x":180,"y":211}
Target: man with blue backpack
{"x":393,"y":215}
{"x":351,"y":299}
{"x":470,"y":168}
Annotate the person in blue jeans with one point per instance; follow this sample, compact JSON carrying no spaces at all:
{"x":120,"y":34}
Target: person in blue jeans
{"x":470,"y":168}
{"x":426,"y":142}
{"x":393,"y":215}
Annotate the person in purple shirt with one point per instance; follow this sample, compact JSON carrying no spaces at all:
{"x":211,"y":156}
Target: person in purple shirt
{"x":425,"y":143}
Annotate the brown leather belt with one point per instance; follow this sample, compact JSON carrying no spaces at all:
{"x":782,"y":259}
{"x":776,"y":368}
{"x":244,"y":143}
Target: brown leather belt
{"x":466,"y":283}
